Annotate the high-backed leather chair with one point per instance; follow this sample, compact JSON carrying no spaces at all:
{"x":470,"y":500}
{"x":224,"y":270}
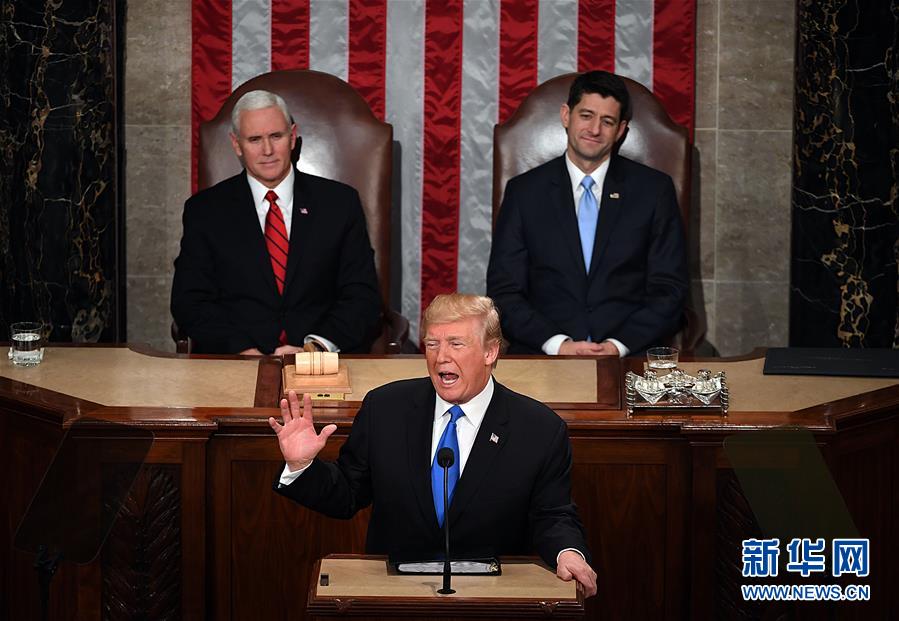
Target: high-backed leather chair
{"x":534,"y":135}
{"x":340,"y":139}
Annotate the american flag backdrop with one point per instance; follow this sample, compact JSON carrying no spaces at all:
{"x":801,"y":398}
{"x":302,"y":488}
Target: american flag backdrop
{"x":443,"y":72}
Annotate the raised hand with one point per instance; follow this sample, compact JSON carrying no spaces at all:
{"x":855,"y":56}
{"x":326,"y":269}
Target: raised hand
{"x":297,"y":439}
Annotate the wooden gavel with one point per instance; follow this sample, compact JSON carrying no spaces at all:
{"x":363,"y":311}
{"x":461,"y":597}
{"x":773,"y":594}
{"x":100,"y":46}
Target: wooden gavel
{"x":316,"y":363}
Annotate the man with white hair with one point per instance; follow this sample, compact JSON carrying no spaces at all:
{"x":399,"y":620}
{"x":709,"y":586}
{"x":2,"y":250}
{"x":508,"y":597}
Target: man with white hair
{"x":274,"y":259}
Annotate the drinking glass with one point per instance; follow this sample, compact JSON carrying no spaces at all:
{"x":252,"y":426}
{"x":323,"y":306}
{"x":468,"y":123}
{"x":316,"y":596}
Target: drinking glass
{"x":26,"y":343}
{"x":662,"y":360}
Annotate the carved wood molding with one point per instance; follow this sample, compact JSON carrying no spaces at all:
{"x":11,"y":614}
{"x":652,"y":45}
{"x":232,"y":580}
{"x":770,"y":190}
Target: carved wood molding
{"x":141,"y":563}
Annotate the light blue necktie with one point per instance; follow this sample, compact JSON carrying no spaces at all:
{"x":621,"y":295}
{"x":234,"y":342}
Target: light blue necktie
{"x":587,"y":213}
{"x":449,"y":439}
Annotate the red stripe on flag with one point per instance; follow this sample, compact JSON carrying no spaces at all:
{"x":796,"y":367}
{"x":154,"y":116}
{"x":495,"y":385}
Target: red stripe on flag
{"x":368,"y":51}
{"x":210,"y":70}
{"x":596,"y":35}
{"x":290,"y":34}
{"x":517,"y":54}
{"x":440,"y":166}
{"x":674,"y":58}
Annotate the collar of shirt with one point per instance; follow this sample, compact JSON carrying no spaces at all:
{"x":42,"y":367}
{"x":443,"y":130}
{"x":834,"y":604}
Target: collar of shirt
{"x":576,"y":175}
{"x":467,"y":426}
{"x":284,"y":190}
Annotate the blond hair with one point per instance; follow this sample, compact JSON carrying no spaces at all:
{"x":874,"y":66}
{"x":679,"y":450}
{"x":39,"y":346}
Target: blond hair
{"x":450,"y":307}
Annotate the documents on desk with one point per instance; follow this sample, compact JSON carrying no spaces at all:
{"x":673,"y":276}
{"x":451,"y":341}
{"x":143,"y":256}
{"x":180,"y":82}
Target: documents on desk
{"x":474,"y":567}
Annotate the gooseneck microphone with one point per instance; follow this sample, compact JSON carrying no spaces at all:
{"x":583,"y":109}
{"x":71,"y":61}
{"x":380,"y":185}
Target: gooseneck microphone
{"x":445,"y":459}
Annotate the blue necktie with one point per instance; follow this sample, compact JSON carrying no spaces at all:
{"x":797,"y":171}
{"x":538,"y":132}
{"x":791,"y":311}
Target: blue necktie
{"x":451,"y":440}
{"x":587,"y":213}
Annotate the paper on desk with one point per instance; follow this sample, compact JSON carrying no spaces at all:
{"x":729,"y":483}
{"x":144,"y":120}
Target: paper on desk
{"x":456,"y":567}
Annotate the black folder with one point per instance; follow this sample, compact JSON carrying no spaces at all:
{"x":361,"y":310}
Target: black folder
{"x":833,"y":361}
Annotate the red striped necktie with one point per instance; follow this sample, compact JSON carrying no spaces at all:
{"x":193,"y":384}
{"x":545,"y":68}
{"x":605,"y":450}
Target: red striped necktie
{"x":277,"y":244}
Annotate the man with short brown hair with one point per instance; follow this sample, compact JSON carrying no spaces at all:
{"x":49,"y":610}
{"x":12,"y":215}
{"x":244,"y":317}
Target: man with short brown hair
{"x":588,"y":255}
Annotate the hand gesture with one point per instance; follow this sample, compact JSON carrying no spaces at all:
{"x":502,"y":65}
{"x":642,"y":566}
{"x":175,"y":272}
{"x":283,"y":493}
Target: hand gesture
{"x":284,"y":350}
{"x":572,"y":565}
{"x":587,"y":348}
{"x":297,"y":439}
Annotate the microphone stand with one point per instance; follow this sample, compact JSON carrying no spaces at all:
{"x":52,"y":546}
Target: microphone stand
{"x":447,"y":569}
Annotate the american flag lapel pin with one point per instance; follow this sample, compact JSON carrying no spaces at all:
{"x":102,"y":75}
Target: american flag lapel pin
{"x":614,"y":195}
{"x":494,"y":438}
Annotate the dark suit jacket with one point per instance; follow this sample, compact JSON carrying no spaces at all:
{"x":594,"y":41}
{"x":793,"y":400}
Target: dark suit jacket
{"x":514,"y":495}
{"x":638,"y":281}
{"x":224,"y":294}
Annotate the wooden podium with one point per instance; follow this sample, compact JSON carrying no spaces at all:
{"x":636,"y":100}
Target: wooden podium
{"x":359,"y":587}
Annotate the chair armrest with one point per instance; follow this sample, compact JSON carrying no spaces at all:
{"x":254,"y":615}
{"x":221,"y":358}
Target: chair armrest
{"x":183,"y":344}
{"x":692,"y":332}
{"x":394,"y":334}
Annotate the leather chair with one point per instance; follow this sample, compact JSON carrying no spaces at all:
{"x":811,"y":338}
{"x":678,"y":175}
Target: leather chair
{"x":534,"y":135}
{"x":342,"y":140}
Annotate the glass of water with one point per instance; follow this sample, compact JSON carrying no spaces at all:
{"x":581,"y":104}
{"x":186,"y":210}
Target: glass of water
{"x":662,"y":360}
{"x":26,"y":343}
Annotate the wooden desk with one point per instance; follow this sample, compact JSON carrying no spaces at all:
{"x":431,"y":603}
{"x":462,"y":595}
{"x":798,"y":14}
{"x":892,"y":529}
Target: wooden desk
{"x":662,"y":507}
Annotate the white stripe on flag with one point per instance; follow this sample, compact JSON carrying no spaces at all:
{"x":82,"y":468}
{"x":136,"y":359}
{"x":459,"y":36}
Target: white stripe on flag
{"x":480,"y":71}
{"x":556,"y":39}
{"x":633,"y":40}
{"x":329,"y":25}
{"x":404,"y":110}
{"x":251,"y":40}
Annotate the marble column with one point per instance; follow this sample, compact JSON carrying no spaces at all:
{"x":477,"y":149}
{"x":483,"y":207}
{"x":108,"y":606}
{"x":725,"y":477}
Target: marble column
{"x":845,"y":175}
{"x":59,"y":223}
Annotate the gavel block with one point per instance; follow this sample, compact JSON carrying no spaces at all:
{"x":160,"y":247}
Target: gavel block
{"x":317,"y":373}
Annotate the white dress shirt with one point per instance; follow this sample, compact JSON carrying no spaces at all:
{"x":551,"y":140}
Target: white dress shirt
{"x":284,"y":190}
{"x":466,"y":426}
{"x":576,"y":175}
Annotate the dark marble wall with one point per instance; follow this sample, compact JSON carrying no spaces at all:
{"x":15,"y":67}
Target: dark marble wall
{"x":846,"y":175}
{"x":58,"y":169}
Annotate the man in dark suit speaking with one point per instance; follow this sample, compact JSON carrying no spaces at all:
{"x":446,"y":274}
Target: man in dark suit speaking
{"x":510,"y":487}
{"x":588,"y":254}
{"x":272,"y":258}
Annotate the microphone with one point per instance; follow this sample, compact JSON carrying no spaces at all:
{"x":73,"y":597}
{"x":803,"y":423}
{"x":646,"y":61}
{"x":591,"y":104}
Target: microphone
{"x":445,"y":459}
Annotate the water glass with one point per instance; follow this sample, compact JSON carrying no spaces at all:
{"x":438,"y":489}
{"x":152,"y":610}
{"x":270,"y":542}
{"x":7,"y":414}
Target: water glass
{"x":662,"y":360}
{"x":26,"y":343}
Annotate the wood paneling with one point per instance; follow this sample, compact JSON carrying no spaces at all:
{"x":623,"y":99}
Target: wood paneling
{"x":141,"y":562}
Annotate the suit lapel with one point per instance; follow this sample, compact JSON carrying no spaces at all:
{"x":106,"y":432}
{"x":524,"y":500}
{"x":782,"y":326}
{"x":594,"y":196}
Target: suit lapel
{"x":563,"y":205}
{"x":488,"y":444}
{"x":248,"y":220}
{"x":610,"y":207}
{"x":419,"y":433}
{"x":301,"y":225}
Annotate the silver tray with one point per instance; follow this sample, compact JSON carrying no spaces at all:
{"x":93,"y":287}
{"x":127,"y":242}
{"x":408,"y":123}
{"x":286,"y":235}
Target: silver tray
{"x":676,"y":390}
